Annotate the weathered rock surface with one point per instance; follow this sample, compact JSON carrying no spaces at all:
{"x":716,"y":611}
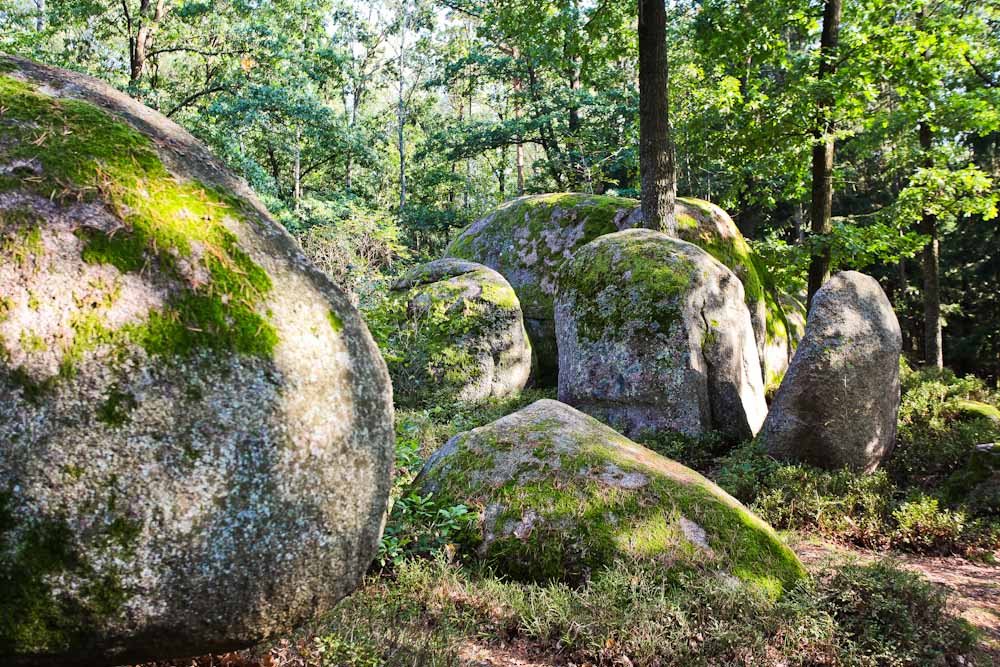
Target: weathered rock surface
{"x":196,"y":431}
{"x":784,"y":331}
{"x":527,"y":240}
{"x":561,"y":495}
{"x":453,"y":330}
{"x":654,"y":335}
{"x":838,"y":404}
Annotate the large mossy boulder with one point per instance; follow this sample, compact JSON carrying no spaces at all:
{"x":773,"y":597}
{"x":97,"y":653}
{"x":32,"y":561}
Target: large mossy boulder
{"x":561,"y":495}
{"x":527,"y":240}
{"x":452,"y":330}
{"x":784,"y":331}
{"x":196,"y":433}
{"x":654,"y":336}
{"x":838,"y":403}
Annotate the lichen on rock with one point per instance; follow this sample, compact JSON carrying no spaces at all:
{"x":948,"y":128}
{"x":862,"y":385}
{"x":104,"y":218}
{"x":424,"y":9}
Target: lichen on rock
{"x":192,"y":457}
{"x":654,"y":336}
{"x":527,"y":240}
{"x":561,"y":495}
{"x":452,"y":330}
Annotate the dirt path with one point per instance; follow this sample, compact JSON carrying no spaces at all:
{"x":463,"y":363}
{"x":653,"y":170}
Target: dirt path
{"x":973,"y":588}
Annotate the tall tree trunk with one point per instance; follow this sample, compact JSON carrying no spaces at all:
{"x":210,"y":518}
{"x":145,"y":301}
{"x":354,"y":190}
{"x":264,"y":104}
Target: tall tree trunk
{"x":821,"y":210}
{"x":656,"y":155}
{"x":297,"y":189}
{"x":518,"y":112}
{"x":141,"y":42}
{"x":400,"y":110}
{"x":40,"y":16}
{"x":931,"y":260}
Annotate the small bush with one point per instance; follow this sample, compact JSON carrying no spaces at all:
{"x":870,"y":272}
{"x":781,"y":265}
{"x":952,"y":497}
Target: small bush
{"x":894,"y":618}
{"x":872,"y":511}
{"x":938,"y":432}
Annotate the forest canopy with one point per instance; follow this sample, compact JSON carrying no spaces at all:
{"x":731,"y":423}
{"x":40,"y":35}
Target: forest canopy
{"x":376,"y":130}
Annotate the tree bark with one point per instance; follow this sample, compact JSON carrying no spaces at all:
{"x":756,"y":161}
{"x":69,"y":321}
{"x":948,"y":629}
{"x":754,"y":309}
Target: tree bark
{"x":401,"y":111}
{"x":821,"y":210}
{"x":931,"y":260}
{"x":656,"y":155}
{"x":141,"y":41}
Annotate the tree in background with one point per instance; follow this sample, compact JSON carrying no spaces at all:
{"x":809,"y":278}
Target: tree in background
{"x":821,"y":209}
{"x":656,"y":153}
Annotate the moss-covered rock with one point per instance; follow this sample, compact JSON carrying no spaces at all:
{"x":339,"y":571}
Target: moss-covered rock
{"x":561,"y":495}
{"x":527,"y":240}
{"x":196,"y":427}
{"x":452,"y":330}
{"x":654,"y":336}
{"x":786,"y":324}
{"x":837,"y":406}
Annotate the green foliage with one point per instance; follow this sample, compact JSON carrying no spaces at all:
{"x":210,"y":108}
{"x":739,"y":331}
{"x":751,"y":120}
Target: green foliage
{"x":938,"y":433}
{"x":854,"y":616}
{"x":872,"y":511}
{"x":894,"y":618}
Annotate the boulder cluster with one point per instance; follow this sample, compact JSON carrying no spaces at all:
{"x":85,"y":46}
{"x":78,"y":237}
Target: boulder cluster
{"x":196,"y":434}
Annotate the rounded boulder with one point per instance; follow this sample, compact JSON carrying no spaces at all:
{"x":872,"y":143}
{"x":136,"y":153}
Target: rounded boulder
{"x":528,"y":239}
{"x":560,"y":495}
{"x":654,"y":335}
{"x":838,"y":403}
{"x":453,"y":330}
{"x":196,"y":435}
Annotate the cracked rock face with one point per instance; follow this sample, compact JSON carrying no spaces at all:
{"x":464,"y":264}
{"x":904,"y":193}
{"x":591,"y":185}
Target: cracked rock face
{"x":654,"y":336}
{"x":838,"y":403}
{"x":195,"y":425}
{"x":561,"y":495}
{"x":453,"y":330}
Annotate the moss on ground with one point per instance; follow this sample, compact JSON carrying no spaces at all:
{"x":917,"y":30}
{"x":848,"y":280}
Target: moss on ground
{"x":77,"y":152}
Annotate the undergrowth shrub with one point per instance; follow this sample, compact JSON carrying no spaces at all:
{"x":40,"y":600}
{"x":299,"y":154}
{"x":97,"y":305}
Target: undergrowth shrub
{"x":940,"y":426}
{"x":872,"y":511}
{"x":629,"y":614}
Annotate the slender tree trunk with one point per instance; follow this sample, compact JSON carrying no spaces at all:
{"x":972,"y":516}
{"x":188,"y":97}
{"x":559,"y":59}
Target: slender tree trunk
{"x":468,"y":162}
{"x":400,"y":110}
{"x":656,"y":155}
{"x":518,"y":113}
{"x":821,"y":210}
{"x":40,"y":16}
{"x":297,"y":191}
{"x":140,"y":43}
{"x":931,"y":260}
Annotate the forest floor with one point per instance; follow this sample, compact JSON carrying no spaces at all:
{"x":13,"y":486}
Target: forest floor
{"x":973,"y":587}
{"x":973,"y":593}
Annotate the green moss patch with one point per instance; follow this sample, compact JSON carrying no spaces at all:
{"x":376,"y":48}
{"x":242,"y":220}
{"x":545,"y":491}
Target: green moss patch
{"x":35,"y":616}
{"x":626,"y":277}
{"x":78,"y":152}
{"x":434,"y":327}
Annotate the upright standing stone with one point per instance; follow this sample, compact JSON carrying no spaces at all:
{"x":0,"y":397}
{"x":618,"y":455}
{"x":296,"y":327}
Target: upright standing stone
{"x":838,"y":404}
{"x":196,"y":434}
{"x":654,"y":335}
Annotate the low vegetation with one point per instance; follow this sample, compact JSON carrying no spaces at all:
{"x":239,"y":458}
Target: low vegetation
{"x":426,"y":604}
